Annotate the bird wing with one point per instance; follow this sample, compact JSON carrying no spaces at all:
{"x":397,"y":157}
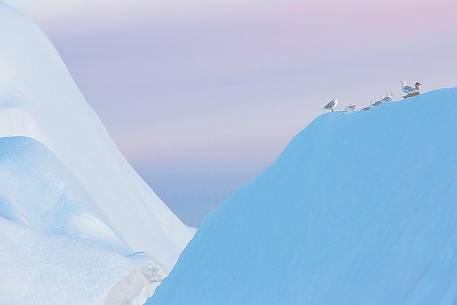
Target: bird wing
{"x":408,"y":89}
{"x":330,"y":105}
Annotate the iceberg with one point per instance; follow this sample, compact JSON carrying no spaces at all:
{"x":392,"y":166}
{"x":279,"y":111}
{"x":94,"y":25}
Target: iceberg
{"x":360,"y":209}
{"x":78,"y":225}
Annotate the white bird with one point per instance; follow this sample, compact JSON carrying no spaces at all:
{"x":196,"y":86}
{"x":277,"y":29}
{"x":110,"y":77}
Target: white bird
{"x":367,"y":108}
{"x":407,"y":89}
{"x":332,"y":104}
{"x":388,"y":97}
{"x":379,"y":102}
{"x":350,"y":108}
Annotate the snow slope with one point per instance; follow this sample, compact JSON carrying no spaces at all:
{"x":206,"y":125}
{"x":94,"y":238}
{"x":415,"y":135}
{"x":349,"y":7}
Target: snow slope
{"x":55,"y":247}
{"x":360,"y":209}
{"x":38,"y":99}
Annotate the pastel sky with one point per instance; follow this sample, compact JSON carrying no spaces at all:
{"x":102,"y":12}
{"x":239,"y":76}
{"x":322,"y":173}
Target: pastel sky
{"x":201,"y":96}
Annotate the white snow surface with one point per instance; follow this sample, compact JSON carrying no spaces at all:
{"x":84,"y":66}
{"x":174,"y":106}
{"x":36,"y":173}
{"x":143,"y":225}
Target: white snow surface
{"x":41,"y":269}
{"x":360,"y":209}
{"x":78,"y":226}
{"x":38,"y":99}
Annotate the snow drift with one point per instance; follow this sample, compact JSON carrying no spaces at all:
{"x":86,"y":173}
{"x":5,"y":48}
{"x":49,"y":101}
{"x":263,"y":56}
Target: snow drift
{"x":360,"y":209}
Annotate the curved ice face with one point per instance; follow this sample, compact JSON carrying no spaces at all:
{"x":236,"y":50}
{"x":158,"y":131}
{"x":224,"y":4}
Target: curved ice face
{"x":37,"y":191}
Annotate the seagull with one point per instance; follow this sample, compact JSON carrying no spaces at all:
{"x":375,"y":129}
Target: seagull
{"x":350,"y":108}
{"x":408,"y":89}
{"x":333,"y":103}
{"x":379,"y":102}
{"x":414,"y":92}
{"x":388,"y":97}
{"x":367,"y":108}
